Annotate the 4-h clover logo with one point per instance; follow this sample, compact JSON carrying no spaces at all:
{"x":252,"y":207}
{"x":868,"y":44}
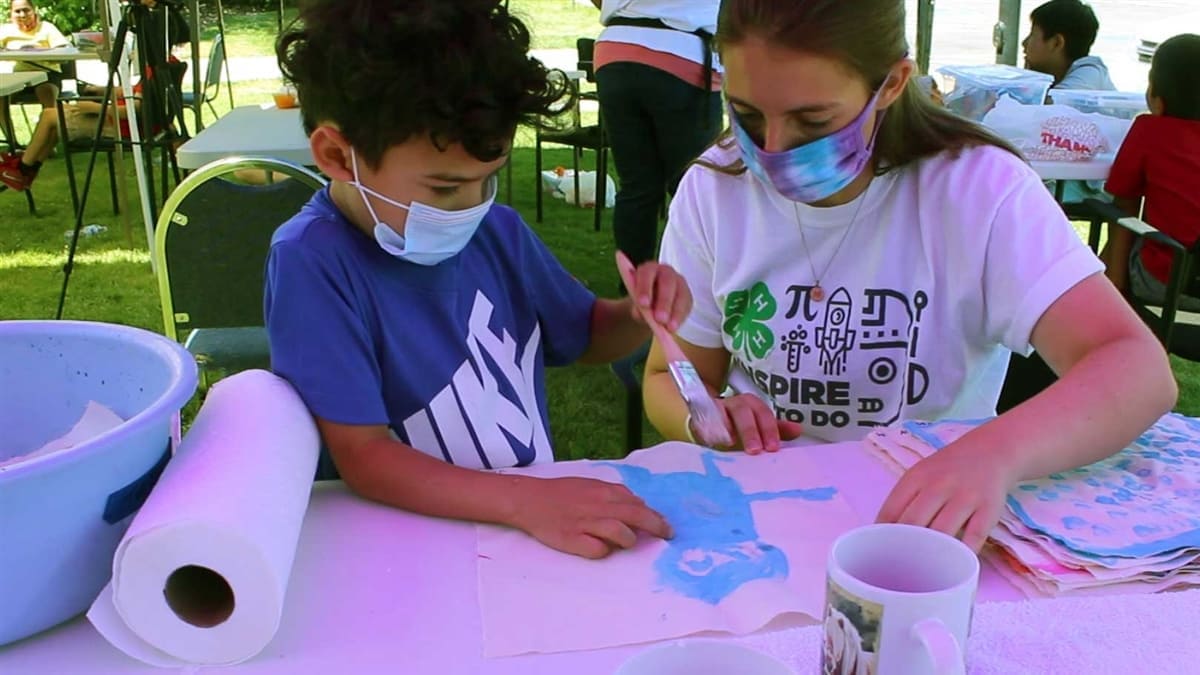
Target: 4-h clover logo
{"x":746,"y":314}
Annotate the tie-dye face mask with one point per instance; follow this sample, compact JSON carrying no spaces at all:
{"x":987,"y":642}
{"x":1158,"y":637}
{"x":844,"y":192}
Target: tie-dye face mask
{"x":817,"y":169}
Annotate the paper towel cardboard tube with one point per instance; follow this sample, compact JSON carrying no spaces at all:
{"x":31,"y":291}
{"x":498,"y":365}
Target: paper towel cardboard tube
{"x":199,"y":596}
{"x":202,"y":581}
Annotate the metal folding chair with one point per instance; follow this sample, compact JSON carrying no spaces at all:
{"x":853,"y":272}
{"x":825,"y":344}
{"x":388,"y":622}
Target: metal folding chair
{"x":211,"y":246}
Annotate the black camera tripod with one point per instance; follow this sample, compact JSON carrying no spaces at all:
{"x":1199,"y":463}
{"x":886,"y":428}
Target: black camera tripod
{"x":152,"y":30}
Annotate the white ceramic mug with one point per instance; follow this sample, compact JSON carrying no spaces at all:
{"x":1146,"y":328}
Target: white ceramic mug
{"x":898,"y":602}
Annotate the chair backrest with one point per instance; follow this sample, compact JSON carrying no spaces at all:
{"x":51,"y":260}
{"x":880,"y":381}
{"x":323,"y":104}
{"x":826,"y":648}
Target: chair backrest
{"x":212,"y":240}
{"x":216,"y":61}
{"x":1181,"y":338}
{"x":1192,"y":282}
{"x":585,"y":48}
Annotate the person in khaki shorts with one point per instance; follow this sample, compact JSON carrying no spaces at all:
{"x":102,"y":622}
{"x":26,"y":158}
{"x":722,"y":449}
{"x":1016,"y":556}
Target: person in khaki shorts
{"x":18,"y":171}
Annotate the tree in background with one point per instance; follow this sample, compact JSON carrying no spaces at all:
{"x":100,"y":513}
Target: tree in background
{"x":70,"y":16}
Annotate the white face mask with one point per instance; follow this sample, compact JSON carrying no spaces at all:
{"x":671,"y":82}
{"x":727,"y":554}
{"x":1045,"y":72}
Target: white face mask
{"x":431,"y":235}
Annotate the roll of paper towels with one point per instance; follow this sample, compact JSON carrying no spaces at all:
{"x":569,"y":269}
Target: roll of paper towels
{"x":201,"y":575}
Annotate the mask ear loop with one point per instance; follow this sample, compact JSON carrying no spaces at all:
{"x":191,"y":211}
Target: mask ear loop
{"x":880,"y":113}
{"x":891,"y":74}
{"x":363,"y":190}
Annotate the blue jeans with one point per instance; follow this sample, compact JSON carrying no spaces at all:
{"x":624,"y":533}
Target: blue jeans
{"x":656,"y":125}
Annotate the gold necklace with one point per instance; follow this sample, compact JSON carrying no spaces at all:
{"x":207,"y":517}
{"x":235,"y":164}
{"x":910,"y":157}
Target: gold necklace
{"x":818,"y":291}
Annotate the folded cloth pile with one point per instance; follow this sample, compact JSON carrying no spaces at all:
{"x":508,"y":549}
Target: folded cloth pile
{"x":1130,"y":522}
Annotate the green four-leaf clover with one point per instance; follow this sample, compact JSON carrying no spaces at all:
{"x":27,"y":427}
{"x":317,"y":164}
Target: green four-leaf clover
{"x":746,"y":314}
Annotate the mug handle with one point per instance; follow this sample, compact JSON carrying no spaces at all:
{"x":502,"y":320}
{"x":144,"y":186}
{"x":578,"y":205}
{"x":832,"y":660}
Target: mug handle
{"x":941,"y":645}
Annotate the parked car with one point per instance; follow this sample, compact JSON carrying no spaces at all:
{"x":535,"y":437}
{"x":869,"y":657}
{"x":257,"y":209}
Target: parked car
{"x":1158,"y":32}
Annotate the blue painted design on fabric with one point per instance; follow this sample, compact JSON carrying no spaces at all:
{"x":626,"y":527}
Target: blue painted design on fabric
{"x":926,"y":432}
{"x":1073,"y":522}
{"x":716,"y":547}
{"x":1143,"y":501}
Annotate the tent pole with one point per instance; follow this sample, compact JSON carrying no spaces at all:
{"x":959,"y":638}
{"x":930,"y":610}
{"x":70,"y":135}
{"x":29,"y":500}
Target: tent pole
{"x":1006,"y":35}
{"x":221,"y":30}
{"x":924,"y":34}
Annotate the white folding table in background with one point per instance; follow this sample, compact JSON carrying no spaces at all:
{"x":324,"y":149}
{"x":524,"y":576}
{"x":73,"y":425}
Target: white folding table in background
{"x":249,"y":131}
{"x":1096,"y":168}
{"x":11,"y":83}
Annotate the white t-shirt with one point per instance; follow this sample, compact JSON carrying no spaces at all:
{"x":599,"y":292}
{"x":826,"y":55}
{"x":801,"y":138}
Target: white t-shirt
{"x":685,"y":16}
{"x":947,"y":266}
{"x":45,"y":36}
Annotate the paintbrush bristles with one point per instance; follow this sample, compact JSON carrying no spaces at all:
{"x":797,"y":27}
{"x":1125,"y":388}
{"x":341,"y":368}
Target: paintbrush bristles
{"x":704,"y":415}
{"x":707,"y":420}
{"x":709,"y":424}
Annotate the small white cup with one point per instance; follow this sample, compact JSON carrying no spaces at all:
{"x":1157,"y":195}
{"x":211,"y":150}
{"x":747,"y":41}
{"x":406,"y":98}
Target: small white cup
{"x":898,"y":601}
{"x":702,"y":657}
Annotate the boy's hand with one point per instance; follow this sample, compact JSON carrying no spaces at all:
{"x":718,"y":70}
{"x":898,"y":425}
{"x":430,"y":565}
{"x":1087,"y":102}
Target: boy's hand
{"x":584,"y":517}
{"x":659,"y":288}
{"x":957,"y":490}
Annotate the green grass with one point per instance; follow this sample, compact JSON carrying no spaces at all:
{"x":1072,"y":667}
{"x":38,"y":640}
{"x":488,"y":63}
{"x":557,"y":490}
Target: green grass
{"x":556,"y":24}
{"x":247,"y":33}
{"x":112,"y":280}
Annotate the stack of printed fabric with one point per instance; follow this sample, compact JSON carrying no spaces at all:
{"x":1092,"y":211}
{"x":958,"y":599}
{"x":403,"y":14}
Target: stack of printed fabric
{"x":1129,"y":522}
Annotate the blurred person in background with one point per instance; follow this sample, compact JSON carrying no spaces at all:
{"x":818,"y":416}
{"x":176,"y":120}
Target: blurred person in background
{"x":659,"y":87}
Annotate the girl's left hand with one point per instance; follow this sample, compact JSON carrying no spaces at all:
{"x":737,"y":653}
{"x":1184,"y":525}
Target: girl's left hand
{"x":959,"y":490}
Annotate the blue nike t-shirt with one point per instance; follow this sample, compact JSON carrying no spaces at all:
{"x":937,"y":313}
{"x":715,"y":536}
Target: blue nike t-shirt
{"x":451,"y":356}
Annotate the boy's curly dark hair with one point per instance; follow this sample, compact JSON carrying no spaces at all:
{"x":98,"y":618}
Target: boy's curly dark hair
{"x":458,"y":70}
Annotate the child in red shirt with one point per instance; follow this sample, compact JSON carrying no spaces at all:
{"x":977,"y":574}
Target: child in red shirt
{"x":1159,"y":162}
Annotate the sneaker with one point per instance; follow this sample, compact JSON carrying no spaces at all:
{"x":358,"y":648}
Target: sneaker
{"x":8,"y":159}
{"x":12,"y":176}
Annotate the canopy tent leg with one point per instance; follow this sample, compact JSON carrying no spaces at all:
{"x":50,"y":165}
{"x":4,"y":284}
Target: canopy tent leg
{"x":924,"y":34}
{"x":221,"y":30}
{"x":1006,"y":35}
{"x":194,"y":40}
{"x":197,"y":85}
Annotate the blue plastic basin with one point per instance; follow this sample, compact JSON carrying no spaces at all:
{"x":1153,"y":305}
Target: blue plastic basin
{"x":62,"y":515}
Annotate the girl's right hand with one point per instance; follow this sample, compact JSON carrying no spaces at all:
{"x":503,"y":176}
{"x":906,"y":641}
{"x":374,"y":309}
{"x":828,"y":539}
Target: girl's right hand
{"x":754,"y":426}
{"x":582,"y":516}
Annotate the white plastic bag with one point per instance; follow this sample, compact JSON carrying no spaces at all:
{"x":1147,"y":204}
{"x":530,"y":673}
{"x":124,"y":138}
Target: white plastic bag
{"x":561,"y":184}
{"x":1056,"y":132}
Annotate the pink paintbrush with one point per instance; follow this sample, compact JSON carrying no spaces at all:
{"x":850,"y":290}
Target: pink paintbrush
{"x":705,"y":418}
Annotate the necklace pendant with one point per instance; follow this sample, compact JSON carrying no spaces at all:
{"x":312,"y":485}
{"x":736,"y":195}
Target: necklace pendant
{"x":817,"y":293}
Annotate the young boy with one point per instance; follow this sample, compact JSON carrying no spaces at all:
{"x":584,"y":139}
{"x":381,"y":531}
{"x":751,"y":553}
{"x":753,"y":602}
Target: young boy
{"x":413,"y":315}
{"x":1159,"y":163}
{"x":1058,"y":44}
{"x":1060,"y":37}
